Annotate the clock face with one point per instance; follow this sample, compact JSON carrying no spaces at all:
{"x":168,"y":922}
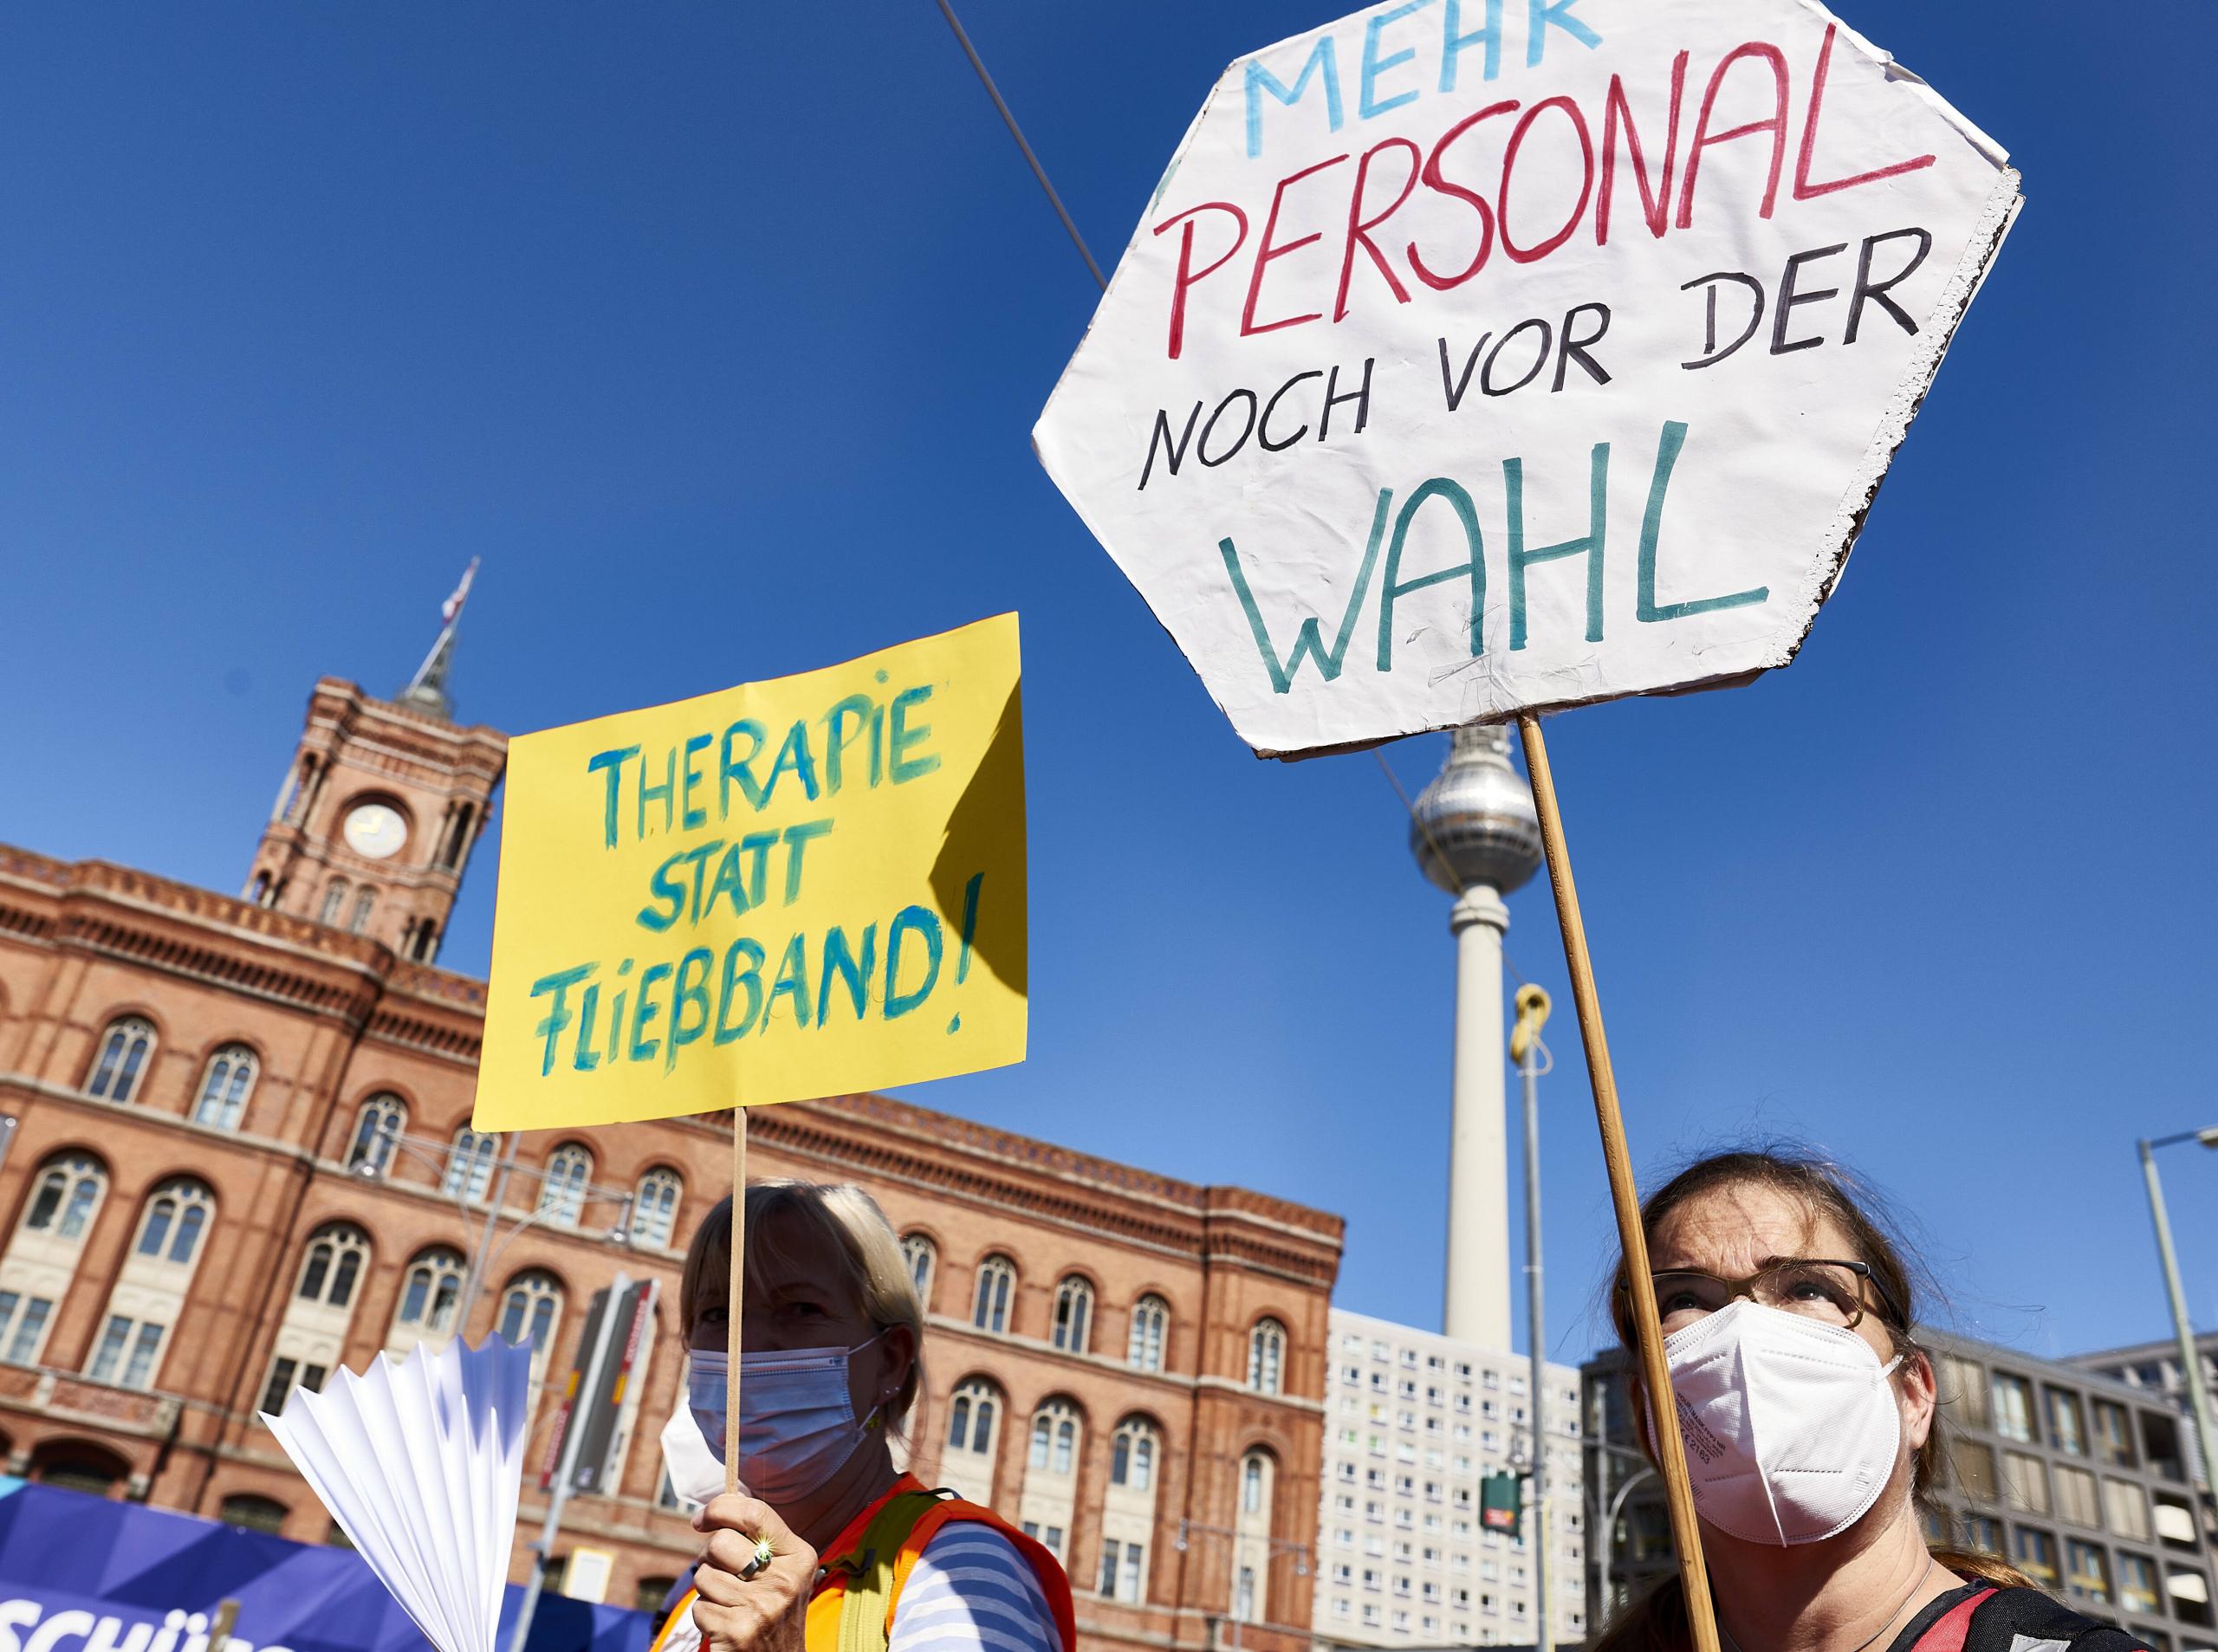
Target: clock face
{"x":376,"y":830}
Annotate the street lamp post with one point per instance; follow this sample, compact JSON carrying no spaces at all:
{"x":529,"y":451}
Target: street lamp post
{"x":1239,"y":1608}
{"x":2190,"y":1357}
{"x":1609,"y":1540}
{"x":438,"y":1156}
{"x":1527,"y":1050}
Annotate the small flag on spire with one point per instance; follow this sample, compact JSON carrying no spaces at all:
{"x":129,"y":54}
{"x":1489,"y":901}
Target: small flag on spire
{"x":451,"y":608}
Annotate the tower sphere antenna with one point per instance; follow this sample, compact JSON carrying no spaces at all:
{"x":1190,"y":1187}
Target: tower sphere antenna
{"x":1475,"y":824}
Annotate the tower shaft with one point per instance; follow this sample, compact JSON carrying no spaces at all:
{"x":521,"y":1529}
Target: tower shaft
{"x":1476,"y":1307}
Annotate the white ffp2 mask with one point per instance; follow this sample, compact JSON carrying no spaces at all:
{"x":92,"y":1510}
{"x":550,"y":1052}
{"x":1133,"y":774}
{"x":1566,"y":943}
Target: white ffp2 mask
{"x":696,"y":1469}
{"x":1792,"y":1428}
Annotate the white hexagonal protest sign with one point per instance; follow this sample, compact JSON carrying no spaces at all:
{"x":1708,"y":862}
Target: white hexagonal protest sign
{"x":1483,"y":356}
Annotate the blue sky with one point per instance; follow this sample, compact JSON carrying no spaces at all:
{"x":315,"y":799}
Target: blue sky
{"x":718,"y":332}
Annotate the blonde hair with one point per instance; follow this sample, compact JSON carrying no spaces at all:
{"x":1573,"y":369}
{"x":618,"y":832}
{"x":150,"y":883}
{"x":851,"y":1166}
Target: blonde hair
{"x":872,"y":1273}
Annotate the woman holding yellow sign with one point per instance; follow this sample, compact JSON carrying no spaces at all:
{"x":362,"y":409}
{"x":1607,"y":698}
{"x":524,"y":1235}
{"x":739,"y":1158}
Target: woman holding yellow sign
{"x":1812,"y":1426}
{"x":835,"y":1552}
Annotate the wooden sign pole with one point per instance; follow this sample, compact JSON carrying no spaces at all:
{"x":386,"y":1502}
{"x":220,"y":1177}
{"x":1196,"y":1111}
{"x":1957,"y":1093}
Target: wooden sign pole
{"x":735,"y":1291}
{"x":1648,"y":1329}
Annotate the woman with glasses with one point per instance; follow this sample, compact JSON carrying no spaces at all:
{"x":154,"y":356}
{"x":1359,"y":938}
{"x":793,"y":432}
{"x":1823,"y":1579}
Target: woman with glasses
{"x":1811,"y":1425}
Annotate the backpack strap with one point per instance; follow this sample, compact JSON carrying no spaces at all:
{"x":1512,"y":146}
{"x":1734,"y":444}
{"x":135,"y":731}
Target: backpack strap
{"x":1948,"y":1632}
{"x":870,"y":1573}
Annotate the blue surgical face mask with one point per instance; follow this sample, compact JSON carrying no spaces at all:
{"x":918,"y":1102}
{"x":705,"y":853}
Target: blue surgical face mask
{"x":797,"y":1422}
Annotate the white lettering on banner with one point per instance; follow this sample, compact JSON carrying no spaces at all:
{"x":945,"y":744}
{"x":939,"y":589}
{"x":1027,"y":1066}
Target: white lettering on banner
{"x":50,"y":1630}
{"x":1476,"y":356}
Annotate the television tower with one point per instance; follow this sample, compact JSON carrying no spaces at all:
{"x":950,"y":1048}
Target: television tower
{"x":1475,"y":833}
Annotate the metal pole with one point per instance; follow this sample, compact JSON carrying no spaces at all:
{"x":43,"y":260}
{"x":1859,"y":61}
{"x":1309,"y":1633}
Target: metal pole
{"x":573,"y":1436}
{"x":1610,"y":1526}
{"x":474,"y":1282}
{"x":1531,"y":1009}
{"x":1598,"y":1490}
{"x":2190,"y":1357}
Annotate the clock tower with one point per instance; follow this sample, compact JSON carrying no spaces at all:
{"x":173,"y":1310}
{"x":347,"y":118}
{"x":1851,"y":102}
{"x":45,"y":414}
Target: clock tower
{"x":383,"y":801}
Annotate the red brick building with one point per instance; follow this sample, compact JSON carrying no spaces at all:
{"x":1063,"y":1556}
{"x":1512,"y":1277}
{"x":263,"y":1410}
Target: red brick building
{"x":241,"y":1159}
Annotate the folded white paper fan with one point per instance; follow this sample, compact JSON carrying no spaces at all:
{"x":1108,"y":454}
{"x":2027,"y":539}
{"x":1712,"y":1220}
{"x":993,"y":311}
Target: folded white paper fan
{"x":420,"y":1462}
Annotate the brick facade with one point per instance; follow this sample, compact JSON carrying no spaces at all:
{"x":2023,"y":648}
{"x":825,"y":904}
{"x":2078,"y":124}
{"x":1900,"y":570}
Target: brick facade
{"x":164,"y":1408}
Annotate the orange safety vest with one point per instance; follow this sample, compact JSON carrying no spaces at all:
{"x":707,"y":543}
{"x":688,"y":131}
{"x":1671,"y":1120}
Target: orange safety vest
{"x":902,"y":1521}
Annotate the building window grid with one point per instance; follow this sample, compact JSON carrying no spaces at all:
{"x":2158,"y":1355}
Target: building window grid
{"x":990,"y":1303}
{"x":563,"y":1185}
{"x":377,"y":1129}
{"x":1054,"y":1439}
{"x":469,"y":1169}
{"x":175,"y":1218}
{"x":1150,"y":1330}
{"x":1131,"y":1458}
{"x":654,"y":1206}
{"x":919,"y":1253}
{"x":970,"y":1417}
{"x":1265,"y":1356}
{"x":225,"y":1086}
{"x":2011,"y":1407}
{"x":332,"y":1265}
{"x":1072,"y":1327}
{"x":430,"y":1292}
{"x":124,"y":1049}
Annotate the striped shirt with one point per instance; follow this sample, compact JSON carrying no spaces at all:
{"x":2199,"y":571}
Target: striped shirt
{"x":971,"y":1592}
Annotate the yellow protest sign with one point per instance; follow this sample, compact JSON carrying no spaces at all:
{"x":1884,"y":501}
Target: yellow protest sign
{"x":789,"y":888}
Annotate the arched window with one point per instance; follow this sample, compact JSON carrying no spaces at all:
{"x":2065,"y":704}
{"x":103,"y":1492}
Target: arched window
{"x":430,"y":1292}
{"x":1054,"y":1439}
{"x":68,"y":1192}
{"x":149,"y":1293}
{"x":469,"y":1163}
{"x":654,"y":1206}
{"x":255,"y":1513}
{"x":335,"y":899}
{"x":1150,"y":1330}
{"x":970,"y":1417}
{"x":333,"y":1265}
{"x":42,"y":1258}
{"x":123,"y":1052}
{"x":225,"y":1086}
{"x":1047,"y":1507}
{"x":528,"y":1311}
{"x":1251,"y":1542}
{"x":377,"y":1127}
{"x":967,"y":1465}
{"x":1073,"y":1315}
{"x":1265,"y":1356}
{"x":363,"y":903}
{"x":1128,"y":1509}
{"x":996,"y":1284}
{"x":312,"y":1337}
{"x":562,"y":1188}
{"x":918,"y":1251}
{"x":1132,"y":1457}
{"x":78,"y":1465}
{"x":175,"y":1218}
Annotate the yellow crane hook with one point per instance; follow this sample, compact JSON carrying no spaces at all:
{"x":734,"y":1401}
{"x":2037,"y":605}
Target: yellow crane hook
{"x":1532,"y":1003}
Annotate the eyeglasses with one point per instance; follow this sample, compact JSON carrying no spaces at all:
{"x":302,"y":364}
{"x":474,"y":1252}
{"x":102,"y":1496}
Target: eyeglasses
{"x":1829,"y":1291}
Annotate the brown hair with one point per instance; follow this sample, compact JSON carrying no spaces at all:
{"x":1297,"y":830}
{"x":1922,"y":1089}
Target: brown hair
{"x":1657,"y":1621}
{"x":871,"y":1273}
